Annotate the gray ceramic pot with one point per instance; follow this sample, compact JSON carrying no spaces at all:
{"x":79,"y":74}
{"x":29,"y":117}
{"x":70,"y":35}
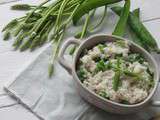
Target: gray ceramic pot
{"x":90,"y":96}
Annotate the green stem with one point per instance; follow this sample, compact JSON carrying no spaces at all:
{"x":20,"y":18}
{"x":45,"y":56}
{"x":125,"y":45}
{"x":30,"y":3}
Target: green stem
{"x":85,"y":26}
{"x":36,"y":40}
{"x":72,"y":6}
{"x":91,"y":29}
{"x":83,"y":33}
{"x":57,"y":44}
{"x":59,"y":16}
{"x":45,"y":35}
{"x":55,"y":52}
{"x":116,"y":78}
{"x":61,"y":27}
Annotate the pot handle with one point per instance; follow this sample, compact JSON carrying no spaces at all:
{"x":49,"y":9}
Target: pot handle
{"x":61,"y":58}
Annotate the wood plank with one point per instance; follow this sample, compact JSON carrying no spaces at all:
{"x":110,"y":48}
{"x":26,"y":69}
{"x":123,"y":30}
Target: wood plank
{"x":12,"y":62}
{"x":16,"y":112}
{"x":149,"y":9}
{"x":7,"y":1}
{"x":6,"y":101}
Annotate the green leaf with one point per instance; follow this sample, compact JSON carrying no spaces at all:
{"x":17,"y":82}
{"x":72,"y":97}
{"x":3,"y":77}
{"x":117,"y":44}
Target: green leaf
{"x":89,"y":5}
{"x":103,"y":94}
{"x":136,"y":12}
{"x":146,"y":40}
{"x":135,"y":57}
{"x":81,"y":73}
{"x":101,"y":66}
{"x":125,"y":102}
{"x":50,"y":70}
{"x":121,"y":43}
{"x":101,"y":47}
{"x":121,"y":25}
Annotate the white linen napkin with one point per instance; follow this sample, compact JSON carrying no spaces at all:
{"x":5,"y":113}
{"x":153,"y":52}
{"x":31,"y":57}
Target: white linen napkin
{"x":48,"y":98}
{"x":57,"y":98}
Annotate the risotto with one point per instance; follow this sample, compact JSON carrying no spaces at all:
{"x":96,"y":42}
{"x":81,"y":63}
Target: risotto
{"x":114,"y":72}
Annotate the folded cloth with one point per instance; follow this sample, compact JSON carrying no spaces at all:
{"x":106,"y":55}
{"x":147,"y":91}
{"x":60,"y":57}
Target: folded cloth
{"x":57,"y":98}
{"x":50,"y":99}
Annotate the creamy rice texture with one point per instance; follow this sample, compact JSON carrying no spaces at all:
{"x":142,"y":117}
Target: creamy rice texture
{"x":112,"y":71}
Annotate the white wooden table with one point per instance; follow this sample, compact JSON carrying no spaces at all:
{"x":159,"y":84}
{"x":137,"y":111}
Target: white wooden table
{"x":12,"y":62}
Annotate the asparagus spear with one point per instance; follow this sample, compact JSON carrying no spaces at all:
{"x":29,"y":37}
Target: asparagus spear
{"x":82,"y":34}
{"x":6,"y":35}
{"x":57,"y":42}
{"x":116,"y":78}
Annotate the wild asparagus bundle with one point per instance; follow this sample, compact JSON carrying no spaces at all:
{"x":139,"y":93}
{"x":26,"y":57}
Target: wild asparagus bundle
{"x":48,"y":22}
